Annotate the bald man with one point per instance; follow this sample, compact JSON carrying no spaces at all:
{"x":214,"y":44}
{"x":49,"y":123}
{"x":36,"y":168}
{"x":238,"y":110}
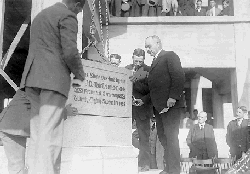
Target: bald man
{"x":201,"y":140}
{"x":166,"y":80}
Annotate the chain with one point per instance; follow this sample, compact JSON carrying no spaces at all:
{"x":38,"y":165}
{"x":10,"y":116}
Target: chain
{"x":100,"y":18}
{"x":93,"y":30}
{"x":107,"y":28}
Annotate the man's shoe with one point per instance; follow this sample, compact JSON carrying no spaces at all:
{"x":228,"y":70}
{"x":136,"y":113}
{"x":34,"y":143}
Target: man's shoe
{"x":163,"y":172}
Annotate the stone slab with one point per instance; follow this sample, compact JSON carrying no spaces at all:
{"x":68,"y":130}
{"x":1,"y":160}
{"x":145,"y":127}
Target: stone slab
{"x":99,"y":160}
{"x":106,"y":91}
{"x":86,"y":130}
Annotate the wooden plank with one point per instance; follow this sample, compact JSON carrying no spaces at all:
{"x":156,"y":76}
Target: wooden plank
{"x":13,"y":46}
{"x":2,"y":8}
{"x":7,"y":78}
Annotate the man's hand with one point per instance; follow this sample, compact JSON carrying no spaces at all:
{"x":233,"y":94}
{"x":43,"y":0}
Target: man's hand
{"x":71,"y":111}
{"x":139,"y":75}
{"x":171,"y":102}
{"x":137,"y":102}
{"x":77,"y":82}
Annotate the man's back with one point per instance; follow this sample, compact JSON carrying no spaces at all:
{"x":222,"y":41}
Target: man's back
{"x":52,"y":42}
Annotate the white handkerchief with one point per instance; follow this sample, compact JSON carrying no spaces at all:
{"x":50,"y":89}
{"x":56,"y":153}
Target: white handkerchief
{"x":164,"y":110}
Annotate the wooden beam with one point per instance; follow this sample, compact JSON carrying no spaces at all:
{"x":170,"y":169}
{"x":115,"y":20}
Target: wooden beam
{"x":13,"y":46}
{"x":2,"y":8}
{"x":7,"y":78}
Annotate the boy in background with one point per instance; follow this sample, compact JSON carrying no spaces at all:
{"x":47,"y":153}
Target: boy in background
{"x":237,"y":133}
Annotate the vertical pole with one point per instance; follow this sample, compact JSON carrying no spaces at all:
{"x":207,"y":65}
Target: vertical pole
{"x":80,"y":31}
{"x":2,"y":8}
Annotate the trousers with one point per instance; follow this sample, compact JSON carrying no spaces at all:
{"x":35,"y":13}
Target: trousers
{"x":15,"y":148}
{"x":46,"y":131}
{"x":168,"y":130}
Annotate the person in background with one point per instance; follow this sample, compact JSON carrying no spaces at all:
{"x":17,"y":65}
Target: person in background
{"x":200,"y":11}
{"x":226,"y":9}
{"x":187,"y":121}
{"x":237,"y":133}
{"x":169,"y":8}
{"x":135,"y":8}
{"x":213,"y":10}
{"x":143,"y":113}
{"x":149,"y":7}
{"x":115,"y":59}
{"x":195,"y":116}
{"x":15,"y":129}
{"x":201,"y":139}
{"x":126,"y":8}
{"x":187,"y":7}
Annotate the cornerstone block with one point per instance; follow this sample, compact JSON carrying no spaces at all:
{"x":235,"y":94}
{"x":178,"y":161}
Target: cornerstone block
{"x":99,"y":139}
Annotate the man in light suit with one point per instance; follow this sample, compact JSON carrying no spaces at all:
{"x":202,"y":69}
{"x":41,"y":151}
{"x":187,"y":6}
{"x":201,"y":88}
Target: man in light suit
{"x":53,"y":55}
{"x":213,"y":10}
{"x":15,"y":129}
{"x":166,"y":83}
{"x":201,"y":140}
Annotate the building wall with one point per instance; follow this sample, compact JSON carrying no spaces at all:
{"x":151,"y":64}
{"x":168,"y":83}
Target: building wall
{"x":197,"y":45}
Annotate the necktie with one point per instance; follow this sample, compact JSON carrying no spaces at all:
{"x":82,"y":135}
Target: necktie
{"x":201,"y":126}
{"x":153,"y":127}
{"x":238,"y":122}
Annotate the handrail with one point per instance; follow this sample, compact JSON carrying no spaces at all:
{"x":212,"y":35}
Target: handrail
{"x":178,"y":20}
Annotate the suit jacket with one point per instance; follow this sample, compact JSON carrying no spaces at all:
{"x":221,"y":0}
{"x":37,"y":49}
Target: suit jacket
{"x":217,"y":12}
{"x":140,"y":89}
{"x":15,"y":118}
{"x":237,"y":136}
{"x":53,"y":53}
{"x":226,"y":12}
{"x":195,"y":146}
{"x":166,"y":80}
{"x":201,"y":13}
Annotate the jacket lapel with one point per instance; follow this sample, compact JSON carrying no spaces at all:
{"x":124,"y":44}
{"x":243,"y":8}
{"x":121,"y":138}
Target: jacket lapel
{"x":244,"y":123}
{"x":156,"y":60}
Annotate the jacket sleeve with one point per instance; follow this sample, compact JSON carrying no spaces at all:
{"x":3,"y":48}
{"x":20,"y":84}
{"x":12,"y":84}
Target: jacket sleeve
{"x":68,"y":32}
{"x":189,"y":137}
{"x":177,"y":76}
{"x":229,"y":135}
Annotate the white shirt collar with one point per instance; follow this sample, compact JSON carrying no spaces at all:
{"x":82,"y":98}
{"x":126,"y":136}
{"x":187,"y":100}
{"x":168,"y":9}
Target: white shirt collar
{"x":213,"y":11}
{"x":202,"y":125}
{"x":198,"y":9}
{"x":239,"y":121}
{"x":158,"y":53}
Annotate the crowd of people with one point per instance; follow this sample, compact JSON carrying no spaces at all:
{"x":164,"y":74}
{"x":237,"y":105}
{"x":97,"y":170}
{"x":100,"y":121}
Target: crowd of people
{"x":136,"y":8}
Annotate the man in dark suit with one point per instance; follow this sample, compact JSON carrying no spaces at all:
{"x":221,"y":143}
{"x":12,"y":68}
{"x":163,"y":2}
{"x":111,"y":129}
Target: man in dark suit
{"x":237,"y":134}
{"x":52,"y":56}
{"x":199,"y":11}
{"x":141,"y":114}
{"x":201,"y":140}
{"x":166,"y":83}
